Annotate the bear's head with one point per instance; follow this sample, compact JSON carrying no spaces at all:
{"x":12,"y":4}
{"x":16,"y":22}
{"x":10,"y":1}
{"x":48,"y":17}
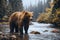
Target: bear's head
{"x":29,"y":14}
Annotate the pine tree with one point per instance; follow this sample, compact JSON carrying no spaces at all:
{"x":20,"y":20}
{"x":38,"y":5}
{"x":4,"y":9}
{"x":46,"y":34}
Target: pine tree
{"x":9,"y":6}
{"x":2,"y":8}
{"x":16,"y":5}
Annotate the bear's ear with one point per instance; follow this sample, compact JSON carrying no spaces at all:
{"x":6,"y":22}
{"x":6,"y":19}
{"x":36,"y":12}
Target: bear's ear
{"x":26,"y":13}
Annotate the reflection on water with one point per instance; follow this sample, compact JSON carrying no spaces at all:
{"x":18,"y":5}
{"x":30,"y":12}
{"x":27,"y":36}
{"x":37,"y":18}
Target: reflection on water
{"x":26,"y":37}
{"x":40,"y":27}
{"x":21,"y":37}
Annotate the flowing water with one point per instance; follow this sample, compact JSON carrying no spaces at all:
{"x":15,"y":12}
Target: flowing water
{"x":43,"y":28}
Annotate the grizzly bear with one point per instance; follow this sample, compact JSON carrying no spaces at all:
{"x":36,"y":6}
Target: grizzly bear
{"x":18,"y":20}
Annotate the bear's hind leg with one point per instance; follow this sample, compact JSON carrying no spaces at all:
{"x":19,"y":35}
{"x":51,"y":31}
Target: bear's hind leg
{"x":16,"y":28}
{"x":11,"y":28}
{"x":21,"y":30}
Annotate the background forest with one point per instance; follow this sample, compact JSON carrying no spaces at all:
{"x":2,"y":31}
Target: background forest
{"x":47,"y":11}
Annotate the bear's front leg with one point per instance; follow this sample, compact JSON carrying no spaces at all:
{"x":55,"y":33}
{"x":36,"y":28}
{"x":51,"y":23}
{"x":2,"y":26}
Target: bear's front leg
{"x":26,"y":26}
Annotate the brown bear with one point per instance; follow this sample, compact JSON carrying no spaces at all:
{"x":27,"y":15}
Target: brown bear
{"x":18,"y":20}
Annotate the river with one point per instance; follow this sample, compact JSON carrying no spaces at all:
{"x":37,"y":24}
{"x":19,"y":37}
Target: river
{"x":44,"y":29}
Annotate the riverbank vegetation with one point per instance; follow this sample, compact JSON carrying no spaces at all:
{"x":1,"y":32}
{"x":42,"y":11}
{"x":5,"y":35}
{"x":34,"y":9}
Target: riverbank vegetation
{"x":52,"y":14}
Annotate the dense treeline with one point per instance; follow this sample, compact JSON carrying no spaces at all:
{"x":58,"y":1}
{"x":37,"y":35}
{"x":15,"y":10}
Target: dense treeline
{"x":39,"y":8}
{"x":9,"y":6}
{"x":2,"y":8}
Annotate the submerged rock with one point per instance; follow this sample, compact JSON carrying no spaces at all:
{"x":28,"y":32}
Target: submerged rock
{"x":35,"y":32}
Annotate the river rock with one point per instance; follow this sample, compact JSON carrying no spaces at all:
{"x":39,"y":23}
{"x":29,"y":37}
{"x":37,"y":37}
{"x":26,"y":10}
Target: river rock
{"x":45,"y":31}
{"x":12,"y":37}
{"x":55,"y":31}
{"x":35,"y":32}
{"x":3,"y":37}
